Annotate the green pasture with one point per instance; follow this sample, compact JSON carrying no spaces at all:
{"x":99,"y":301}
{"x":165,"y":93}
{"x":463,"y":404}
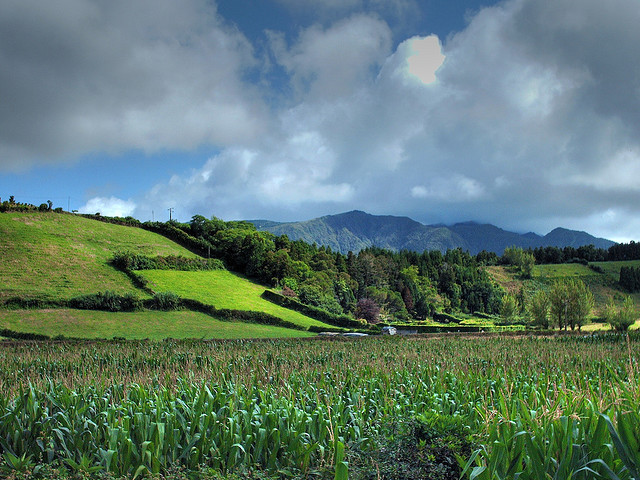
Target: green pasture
{"x":49,"y":256}
{"x":136,"y":325}
{"x":222,"y":289}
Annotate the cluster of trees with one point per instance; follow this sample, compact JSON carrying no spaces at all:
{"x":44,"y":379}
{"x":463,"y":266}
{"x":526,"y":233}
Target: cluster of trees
{"x":630,"y":279}
{"x":523,"y":260}
{"x":586,"y":253}
{"x":567,"y":304}
{"x":374,"y":284}
{"x":12,"y":206}
{"x":620,"y":318}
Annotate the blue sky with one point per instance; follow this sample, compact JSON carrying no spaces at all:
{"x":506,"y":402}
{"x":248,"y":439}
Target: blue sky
{"x":521,"y":113}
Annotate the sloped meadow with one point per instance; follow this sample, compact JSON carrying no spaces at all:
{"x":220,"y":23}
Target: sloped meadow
{"x":422,"y":407}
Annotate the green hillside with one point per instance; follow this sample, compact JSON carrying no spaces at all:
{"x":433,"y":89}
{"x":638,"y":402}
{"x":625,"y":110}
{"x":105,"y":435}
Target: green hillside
{"x":223,"y":289}
{"x":136,"y":325}
{"x":54,"y":257}
{"x":603,"y":285}
{"x":51,"y":256}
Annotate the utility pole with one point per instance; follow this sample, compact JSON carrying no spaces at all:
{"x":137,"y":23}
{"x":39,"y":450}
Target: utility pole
{"x":170,"y":212}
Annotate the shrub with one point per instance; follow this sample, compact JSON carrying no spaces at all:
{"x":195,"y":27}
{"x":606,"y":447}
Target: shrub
{"x":620,"y":319}
{"x":165,"y":301}
{"x":109,"y":301}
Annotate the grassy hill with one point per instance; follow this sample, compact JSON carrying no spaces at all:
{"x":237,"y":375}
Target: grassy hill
{"x":223,"y":289}
{"x":49,"y":256}
{"x":136,"y":325}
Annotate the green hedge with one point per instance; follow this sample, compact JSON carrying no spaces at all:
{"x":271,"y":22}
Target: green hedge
{"x":313,"y":312}
{"x":445,"y":318}
{"x":108,"y":301}
{"x":5,"y":332}
{"x":131,"y":261}
{"x":455,"y":328}
{"x":242,"y":315}
{"x":35,"y":303}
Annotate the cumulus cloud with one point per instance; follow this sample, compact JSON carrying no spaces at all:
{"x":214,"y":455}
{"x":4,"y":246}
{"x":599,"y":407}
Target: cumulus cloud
{"x":109,"y":206}
{"x":425,"y":58}
{"x":511,"y":121}
{"x":327,"y":63}
{"x":528,"y":118}
{"x":78,"y":76}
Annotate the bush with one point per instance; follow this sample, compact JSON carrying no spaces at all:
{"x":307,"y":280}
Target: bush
{"x":447,"y":318}
{"x":5,"y":332}
{"x":620,"y":319}
{"x":131,"y":261}
{"x":109,"y":301}
{"x":165,"y":301}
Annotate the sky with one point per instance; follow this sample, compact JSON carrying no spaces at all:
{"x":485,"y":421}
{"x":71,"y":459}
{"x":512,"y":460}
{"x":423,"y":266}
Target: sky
{"x":520,"y":113}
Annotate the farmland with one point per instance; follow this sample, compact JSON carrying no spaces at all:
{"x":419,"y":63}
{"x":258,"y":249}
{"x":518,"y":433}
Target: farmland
{"x":372,"y":408}
{"x":156,"y":325}
{"x":48,"y":256}
{"x":48,"y":259}
{"x":224,"y":290}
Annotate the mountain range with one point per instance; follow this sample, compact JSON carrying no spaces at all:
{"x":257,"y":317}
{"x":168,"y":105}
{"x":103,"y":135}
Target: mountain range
{"x":356,"y":230}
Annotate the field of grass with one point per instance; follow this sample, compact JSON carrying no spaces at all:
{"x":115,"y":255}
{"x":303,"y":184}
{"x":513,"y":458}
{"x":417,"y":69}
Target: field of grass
{"x":222,"y":289}
{"x":136,"y":325}
{"x":50,"y":256}
{"x":381,"y":407}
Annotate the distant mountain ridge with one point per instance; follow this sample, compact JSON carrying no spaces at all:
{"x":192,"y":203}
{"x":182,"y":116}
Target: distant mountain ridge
{"x":356,"y":230}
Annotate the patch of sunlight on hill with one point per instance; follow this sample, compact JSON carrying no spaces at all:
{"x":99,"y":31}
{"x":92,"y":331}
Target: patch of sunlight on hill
{"x":49,"y":255}
{"x":223,"y":289}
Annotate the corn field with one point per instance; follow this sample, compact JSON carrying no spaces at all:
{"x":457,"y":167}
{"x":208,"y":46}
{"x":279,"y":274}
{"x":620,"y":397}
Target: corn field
{"x":527,"y":407}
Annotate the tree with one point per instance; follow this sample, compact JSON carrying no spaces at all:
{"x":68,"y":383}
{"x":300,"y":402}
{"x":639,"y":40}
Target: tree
{"x":558,"y":304}
{"x":571,"y":303}
{"x":368,"y":309}
{"x":581,"y":303}
{"x":620,"y":319}
{"x":539,"y":309}
{"x":526,"y":265}
{"x":508,"y":308}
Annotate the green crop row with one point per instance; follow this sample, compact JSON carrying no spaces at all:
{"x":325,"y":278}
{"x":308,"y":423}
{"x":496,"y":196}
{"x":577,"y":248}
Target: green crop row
{"x":484,"y":407}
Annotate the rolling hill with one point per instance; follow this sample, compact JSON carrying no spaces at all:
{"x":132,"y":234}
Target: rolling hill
{"x":50,"y":257}
{"x":356,"y":230}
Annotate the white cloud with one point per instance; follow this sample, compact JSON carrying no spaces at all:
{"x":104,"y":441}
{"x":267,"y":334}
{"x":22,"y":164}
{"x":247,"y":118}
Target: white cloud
{"x":451,"y":190}
{"x":511,"y":127}
{"x":330,"y":62}
{"x":530,"y":114}
{"x":425,"y":58}
{"x":109,"y":206}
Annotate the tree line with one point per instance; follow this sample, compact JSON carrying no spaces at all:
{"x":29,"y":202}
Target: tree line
{"x":382,"y":285}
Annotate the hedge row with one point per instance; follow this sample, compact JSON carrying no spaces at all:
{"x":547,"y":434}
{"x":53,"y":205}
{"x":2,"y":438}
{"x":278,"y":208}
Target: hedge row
{"x":445,"y":318}
{"x":454,"y":328}
{"x":28,"y":303}
{"x":242,"y":315}
{"x":112,"y":302}
{"x":198,"y":246}
{"x":131,"y":261}
{"x":313,"y":312}
{"x":5,"y":332}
